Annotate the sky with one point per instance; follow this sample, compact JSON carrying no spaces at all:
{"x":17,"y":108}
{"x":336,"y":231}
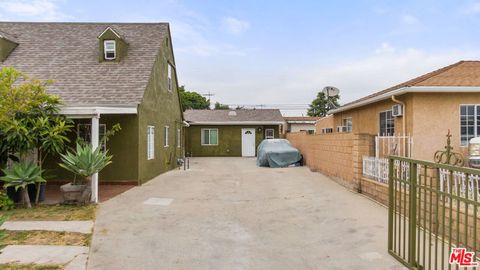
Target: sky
{"x":284,"y":52}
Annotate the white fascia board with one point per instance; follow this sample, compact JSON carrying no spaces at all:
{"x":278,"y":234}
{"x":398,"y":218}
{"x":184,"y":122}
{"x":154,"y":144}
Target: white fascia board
{"x":242,"y":123}
{"x":301,"y":122}
{"x":85,"y":111}
{"x":111,"y":29}
{"x":409,"y":89}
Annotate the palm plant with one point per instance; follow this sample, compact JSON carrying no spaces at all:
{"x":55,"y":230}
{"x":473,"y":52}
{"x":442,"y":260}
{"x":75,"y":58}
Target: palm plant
{"x":85,"y":161}
{"x":20,"y":175}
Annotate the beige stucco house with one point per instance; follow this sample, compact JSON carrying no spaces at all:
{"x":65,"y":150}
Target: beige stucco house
{"x":425,"y":108}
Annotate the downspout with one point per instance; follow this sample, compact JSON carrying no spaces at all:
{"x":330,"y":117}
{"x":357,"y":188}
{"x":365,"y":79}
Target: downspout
{"x":404,"y":113}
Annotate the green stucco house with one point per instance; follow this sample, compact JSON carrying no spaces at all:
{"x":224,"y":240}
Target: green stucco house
{"x":107,"y":73}
{"x":232,"y":133}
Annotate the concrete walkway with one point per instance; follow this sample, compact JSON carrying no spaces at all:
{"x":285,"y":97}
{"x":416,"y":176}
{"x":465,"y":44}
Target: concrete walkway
{"x":57,"y":226}
{"x":226,"y":213}
{"x":72,"y":256}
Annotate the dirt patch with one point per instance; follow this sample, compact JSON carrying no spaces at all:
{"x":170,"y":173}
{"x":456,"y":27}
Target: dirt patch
{"x":55,"y":212}
{"x":14,"y":266}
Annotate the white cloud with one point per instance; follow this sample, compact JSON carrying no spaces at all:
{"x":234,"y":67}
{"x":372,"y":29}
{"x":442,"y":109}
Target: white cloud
{"x":234,"y":25}
{"x":43,"y":10}
{"x":384,"y":67}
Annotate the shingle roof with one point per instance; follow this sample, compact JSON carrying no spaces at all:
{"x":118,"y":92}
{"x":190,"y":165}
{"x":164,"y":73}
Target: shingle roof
{"x":68,"y":54}
{"x":301,"y":118}
{"x":463,"y":73}
{"x":227,"y":116}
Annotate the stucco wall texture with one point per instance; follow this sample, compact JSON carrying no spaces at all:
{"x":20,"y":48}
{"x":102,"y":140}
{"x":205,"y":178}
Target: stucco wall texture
{"x":229,"y":140}
{"x":427,"y":116}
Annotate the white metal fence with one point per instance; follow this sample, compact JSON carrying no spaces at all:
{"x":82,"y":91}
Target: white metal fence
{"x":397,"y":145}
{"x":376,"y":168}
{"x":453,"y":182}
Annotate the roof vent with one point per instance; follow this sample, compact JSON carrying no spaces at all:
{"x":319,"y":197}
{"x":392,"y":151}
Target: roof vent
{"x":232,"y":113}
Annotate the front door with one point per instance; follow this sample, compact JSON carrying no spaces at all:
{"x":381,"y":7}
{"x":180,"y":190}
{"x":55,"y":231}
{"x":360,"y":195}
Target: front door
{"x":248,"y":142}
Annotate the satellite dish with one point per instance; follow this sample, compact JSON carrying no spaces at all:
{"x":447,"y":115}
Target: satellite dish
{"x":330,"y":91}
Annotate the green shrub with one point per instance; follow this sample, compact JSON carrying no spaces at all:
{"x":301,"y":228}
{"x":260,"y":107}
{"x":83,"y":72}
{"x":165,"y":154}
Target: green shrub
{"x":5,"y":202}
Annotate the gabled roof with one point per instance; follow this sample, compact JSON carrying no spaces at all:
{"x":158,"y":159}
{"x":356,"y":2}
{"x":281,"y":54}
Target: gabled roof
{"x":459,"y":77}
{"x":301,"y":119}
{"x":68,"y":54}
{"x":7,"y":36}
{"x":233,"y":117}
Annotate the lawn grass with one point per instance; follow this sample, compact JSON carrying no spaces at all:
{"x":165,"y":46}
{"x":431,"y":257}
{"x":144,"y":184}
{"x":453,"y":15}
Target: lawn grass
{"x":51,"y":212}
{"x":15,"y":266}
{"x":44,"y":238}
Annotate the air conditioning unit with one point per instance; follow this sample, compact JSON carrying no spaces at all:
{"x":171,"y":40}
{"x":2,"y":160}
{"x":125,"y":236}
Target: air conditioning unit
{"x":342,"y":129}
{"x":397,"y":110}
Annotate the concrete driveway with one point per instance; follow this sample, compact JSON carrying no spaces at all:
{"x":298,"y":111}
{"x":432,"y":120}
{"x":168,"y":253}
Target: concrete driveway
{"x":228,"y":214}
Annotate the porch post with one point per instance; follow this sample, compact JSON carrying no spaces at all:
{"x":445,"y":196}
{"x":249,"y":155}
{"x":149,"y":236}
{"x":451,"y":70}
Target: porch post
{"x":95,"y":138}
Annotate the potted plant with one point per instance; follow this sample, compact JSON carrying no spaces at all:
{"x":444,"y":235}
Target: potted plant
{"x":21,"y":175}
{"x":84,"y":162}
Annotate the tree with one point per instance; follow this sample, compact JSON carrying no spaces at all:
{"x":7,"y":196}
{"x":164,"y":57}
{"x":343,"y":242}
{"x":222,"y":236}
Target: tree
{"x":29,"y":118}
{"x":220,"y":106}
{"x":193,"y":100}
{"x":321,"y":105}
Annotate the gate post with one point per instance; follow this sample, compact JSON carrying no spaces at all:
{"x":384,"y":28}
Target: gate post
{"x":390,"y":203}
{"x":412,"y":224}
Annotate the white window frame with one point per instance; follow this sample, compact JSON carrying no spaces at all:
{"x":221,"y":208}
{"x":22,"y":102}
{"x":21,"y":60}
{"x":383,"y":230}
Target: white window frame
{"x":380,"y":126}
{"x":101,"y":132}
{"x":166,"y":133}
{"x":150,"y":142}
{"x":179,"y":137}
{"x":273,"y":133}
{"x":476,"y":122}
{"x":114,"y":50}
{"x":327,"y":130}
{"x":350,"y":120}
{"x":169,"y":77}
{"x":202,"y":131}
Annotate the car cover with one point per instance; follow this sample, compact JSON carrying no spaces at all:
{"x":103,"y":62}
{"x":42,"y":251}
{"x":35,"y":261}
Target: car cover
{"x":277,"y":153}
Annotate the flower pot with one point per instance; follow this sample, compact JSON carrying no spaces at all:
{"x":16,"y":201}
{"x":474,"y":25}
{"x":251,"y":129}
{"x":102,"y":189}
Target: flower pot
{"x":75,"y":193}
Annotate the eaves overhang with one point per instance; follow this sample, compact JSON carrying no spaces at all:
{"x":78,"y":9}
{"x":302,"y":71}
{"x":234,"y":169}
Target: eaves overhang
{"x":405,"y":90}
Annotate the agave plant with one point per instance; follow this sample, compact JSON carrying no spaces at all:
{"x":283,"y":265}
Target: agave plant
{"x":85,"y":161}
{"x":21,"y":175}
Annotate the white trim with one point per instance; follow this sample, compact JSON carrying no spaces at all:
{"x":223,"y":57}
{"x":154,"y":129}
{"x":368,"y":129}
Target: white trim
{"x":166,"y":133}
{"x":209,"y":144}
{"x":302,"y":122}
{"x":85,"y":111}
{"x":239,"y":123}
{"x":111,"y":29}
{"x":409,"y":89}
{"x":150,"y":142}
{"x":105,"y":51}
{"x":270,"y":137}
{"x":179,"y":137}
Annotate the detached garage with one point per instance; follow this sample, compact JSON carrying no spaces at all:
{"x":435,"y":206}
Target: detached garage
{"x":232,"y":133}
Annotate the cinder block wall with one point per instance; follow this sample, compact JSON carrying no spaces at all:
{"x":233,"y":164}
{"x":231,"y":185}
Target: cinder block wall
{"x":338,"y":155}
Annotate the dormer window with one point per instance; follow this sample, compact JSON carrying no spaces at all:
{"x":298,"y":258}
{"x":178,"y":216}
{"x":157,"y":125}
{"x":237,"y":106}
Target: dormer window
{"x":109,"y":48}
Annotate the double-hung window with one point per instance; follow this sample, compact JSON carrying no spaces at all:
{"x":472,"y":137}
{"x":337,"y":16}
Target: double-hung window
{"x":269,"y":133}
{"x":347,"y":123}
{"x":109,"y":49}
{"x":165,"y":135}
{"x":469,"y":122}
{"x":179,"y":138}
{"x":150,"y":142}
{"x":209,"y":136}
{"x":387,"y":124}
{"x":169,"y":76}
